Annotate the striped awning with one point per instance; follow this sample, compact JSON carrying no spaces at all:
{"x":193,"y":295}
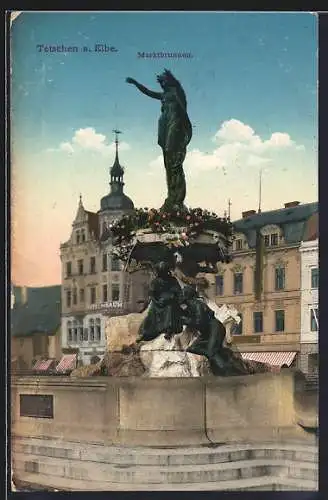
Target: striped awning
{"x":272,"y":358}
{"x":42,"y":365}
{"x":67,"y":363}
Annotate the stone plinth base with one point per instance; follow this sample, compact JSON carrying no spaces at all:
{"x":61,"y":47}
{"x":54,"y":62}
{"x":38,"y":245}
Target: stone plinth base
{"x":93,"y":418}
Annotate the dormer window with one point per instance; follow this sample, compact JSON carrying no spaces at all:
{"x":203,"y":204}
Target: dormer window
{"x":272,"y":235}
{"x":274,"y":238}
{"x":240,"y":242}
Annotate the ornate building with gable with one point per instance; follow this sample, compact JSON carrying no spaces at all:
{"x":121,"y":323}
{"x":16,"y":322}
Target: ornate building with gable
{"x":94,"y":283}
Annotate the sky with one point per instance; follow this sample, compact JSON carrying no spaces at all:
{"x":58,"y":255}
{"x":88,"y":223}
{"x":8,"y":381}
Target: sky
{"x":251,"y":87}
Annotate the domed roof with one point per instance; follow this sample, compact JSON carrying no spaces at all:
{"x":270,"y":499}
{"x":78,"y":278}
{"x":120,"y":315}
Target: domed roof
{"x":116,"y":201}
{"x":117,"y":170}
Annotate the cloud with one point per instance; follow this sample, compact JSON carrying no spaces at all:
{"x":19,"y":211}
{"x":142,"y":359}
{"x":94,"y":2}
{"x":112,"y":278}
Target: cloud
{"x":234,"y":131}
{"x":243,"y":136}
{"x":238,"y":146}
{"x":66,"y":146}
{"x":87,"y":139}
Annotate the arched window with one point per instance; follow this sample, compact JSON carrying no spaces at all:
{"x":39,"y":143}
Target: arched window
{"x":69,"y":331}
{"x":74,"y":331}
{"x":85,"y":334}
{"x":272,"y":235}
{"x":80,"y":331}
{"x":98,"y":329}
{"x":82,"y":235}
{"x":77,"y":237}
{"x":91,"y":330}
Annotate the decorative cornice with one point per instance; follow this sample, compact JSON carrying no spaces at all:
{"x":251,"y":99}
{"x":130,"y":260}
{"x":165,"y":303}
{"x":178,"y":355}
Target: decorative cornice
{"x":280,"y":262}
{"x":221,"y":270}
{"x":238,"y":268}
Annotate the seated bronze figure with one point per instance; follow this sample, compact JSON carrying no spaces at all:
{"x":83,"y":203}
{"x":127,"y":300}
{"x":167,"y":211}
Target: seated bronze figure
{"x":165,"y":313}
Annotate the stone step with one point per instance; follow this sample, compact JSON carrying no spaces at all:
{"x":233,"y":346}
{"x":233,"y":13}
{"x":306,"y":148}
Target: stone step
{"x":168,"y":456}
{"x":150,"y":475}
{"x":264,"y":483}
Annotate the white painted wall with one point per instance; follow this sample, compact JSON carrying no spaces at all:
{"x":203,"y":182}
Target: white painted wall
{"x":309,"y":297}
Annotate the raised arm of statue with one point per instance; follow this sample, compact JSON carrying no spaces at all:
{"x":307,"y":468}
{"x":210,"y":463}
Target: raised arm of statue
{"x":144,"y":90}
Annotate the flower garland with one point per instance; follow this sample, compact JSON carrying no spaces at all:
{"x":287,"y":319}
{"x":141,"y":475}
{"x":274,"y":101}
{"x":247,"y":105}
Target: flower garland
{"x":191,"y":222}
{"x":179,"y":227}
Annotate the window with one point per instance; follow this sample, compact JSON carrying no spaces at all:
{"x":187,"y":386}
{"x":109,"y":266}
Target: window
{"x":74,"y":296}
{"x":68,"y":298}
{"x":271,"y":239}
{"x":81,"y":294}
{"x":85,"y":334}
{"x":274,"y":239}
{"x":238,"y":329}
{"x":116,"y":264}
{"x":92,"y":295}
{"x":127,"y":292}
{"x":238,"y":283}
{"x":313,"y":363}
{"x":69,"y":331}
{"x":105,"y":293}
{"x":239,"y":244}
{"x":219,"y":284}
{"x":80,"y":266}
{"x":37,"y":345}
{"x":83,"y":235}
{"x":279,"y":280}
{"x":279,"y":321}
{"x":104,"y":262}
{"x":92,"y":265}
{"x":80,"y":331}
{"x":314,"y":320}
{"x":74,"y":331}
{"x":145,"y":288}
{"x":77,"y":237}
{"x":98,"y":329}
{"x":115,"y":292}
{"x":258,"y":322}
{"x":315,"y":278}
{"x":68,"y":269}
{"x":91,"y":330}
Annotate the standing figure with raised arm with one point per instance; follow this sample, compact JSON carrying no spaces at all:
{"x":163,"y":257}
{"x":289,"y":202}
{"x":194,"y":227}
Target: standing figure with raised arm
{"x":174,"y":134}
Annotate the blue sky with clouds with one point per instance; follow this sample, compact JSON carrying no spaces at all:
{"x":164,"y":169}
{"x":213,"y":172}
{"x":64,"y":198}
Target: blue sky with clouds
{"x":252,"y":77}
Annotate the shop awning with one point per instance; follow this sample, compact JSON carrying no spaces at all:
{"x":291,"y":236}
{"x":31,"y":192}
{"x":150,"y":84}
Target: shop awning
{"x":272,"y":358}
{"x":67,"y":363}
{"x":43,"y":365}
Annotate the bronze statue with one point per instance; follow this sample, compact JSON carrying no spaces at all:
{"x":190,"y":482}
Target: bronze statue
{"x":164,"y":314}
{"x":174,"y":134}
{"x":199,"y":317}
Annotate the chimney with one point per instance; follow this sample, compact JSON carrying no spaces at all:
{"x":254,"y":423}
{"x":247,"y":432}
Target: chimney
{"x":248,"y":213}
{"x":12,"y":296}
{"x":292,"y":204}
{"x":24,"y":295}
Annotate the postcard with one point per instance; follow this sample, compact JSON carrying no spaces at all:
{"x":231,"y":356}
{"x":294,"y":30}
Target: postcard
{"x":164,"y":307}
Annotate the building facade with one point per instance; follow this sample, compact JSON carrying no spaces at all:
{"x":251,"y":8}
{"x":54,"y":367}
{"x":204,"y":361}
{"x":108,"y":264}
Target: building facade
{"x":271,"y":313}
{"x":35,"y":325}
{"x":94,"y":283}
{"x":309,"y":306}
